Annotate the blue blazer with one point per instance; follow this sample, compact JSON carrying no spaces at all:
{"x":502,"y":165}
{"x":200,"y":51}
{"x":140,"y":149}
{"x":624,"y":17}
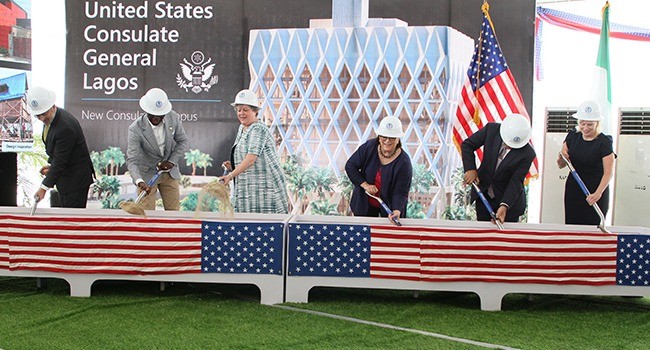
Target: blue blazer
{"x":395,"y":178}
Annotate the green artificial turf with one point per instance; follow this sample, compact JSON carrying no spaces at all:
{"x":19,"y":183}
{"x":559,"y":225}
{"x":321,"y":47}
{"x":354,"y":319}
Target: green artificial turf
{"x":137,"y":315}
{"x":545,"y":322}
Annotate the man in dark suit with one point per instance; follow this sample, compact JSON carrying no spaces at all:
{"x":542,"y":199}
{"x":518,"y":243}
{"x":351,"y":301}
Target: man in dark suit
{"x":69,"y":166}
{"x":507,"y":157}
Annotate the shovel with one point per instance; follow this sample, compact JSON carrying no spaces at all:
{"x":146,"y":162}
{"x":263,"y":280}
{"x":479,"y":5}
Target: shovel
{"x":225,"y":171}
{"x":135,"y":207}
{"x":151,"y":182}
{"x":487,"y":205}
{"x":386,"y":208}
{"x":36,"y":199}
{"x":585,"y":190}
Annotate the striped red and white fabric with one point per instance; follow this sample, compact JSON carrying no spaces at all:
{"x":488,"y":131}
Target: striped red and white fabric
{"x":100,"y":245}
{"x":4,"y":249}
{"x":472,"y":255}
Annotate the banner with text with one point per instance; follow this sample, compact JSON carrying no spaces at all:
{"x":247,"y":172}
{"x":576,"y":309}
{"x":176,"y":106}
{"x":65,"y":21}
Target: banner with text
{"x":117,"y":50}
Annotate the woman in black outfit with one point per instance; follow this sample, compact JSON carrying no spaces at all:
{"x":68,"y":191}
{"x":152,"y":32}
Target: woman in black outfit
{"x":591,"y":153}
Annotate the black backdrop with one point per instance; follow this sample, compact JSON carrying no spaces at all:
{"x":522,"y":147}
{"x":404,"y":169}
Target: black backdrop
{"x":209,"y":119}
{"x":8,"y":179}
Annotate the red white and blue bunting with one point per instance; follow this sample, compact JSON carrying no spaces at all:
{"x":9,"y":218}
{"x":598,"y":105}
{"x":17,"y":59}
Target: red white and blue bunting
{"x":579,"y":23}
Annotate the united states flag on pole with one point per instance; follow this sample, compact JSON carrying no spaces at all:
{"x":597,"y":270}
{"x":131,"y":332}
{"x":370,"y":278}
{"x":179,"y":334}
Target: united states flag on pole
{"x":138,"y":246}
{"x":490,"y":92}
{"x":468,"y":255}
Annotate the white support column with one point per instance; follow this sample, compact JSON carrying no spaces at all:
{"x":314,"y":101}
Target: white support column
{"x":349,"y":13}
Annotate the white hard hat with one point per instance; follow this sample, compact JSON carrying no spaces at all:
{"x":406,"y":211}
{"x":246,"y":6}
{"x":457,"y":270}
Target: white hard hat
{"x":390,"y":127}
{"x":515,"y":130}
{"x":155,"y":102}
{"x":588,"y":110}
{"x":39,"y":100}
{"x":246,"y":97}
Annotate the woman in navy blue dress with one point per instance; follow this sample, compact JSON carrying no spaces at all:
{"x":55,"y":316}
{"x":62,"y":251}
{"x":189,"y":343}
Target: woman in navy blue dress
{"x":591,"y":153}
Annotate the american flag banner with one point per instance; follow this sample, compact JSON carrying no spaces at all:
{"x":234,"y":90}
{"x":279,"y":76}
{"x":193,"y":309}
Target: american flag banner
{"x":141,"y":246}
{"x":4,"y":251}
{"x":490,"y":92}
{"x":468,"y":255}
{"x":245,"y":247}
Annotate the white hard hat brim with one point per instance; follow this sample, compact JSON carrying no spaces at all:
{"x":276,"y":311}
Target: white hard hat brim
{"x":386,"y":133}
{"x":590,"y":118}
{"x":516,"y":145}
{"x":243,"y":104}
{"x":246,"y":97}
{"x":166,"y":107}
{"x":39,"y":100}
{"x":38,"y":111}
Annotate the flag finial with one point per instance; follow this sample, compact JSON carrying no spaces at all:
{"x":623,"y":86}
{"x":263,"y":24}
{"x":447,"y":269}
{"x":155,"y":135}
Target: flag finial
{"x":485,"y":7}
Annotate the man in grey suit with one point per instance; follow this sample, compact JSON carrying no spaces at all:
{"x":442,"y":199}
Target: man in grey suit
{"x":157,"y":141}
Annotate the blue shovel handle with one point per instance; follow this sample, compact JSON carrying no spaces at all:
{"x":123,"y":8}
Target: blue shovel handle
{"x":386,"y":208}
{"x":150,"y":183}
{"x":487,"y":205}
{"x":576,"y":177}
{"x":585,"y":190}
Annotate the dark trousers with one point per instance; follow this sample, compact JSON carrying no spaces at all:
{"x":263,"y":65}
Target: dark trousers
{"x":375,"y":212}
{"x":482,"y":213}
{"x":76,"y":199}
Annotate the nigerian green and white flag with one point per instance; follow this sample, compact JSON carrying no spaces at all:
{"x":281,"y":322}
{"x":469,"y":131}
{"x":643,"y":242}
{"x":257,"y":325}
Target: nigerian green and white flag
{"x":601,"y":88}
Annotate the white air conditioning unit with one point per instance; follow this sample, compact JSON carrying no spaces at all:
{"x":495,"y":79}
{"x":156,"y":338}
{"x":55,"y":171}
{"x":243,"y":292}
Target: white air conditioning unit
{"x":558,"y":123}
{"x":632,"y":196}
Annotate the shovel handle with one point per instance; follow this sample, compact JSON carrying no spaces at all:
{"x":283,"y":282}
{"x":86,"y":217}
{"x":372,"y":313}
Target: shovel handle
{"x":36,"y":199}
{"x":487,"y":205}
{"x":386,"y":208}
{"x":585,"y":190}
{"x":150,"y":183}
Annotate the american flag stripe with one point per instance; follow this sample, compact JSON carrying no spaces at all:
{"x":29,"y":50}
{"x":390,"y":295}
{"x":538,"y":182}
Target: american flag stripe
{"x":463,"y":124}
{"x":452,"y":255}
{"x":4,"y":252}
{"x":102,"y":245}
{"x":395,"y":254}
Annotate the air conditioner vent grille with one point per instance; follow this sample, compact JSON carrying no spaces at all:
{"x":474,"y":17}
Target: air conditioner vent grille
{"x":560,"y":120}
{"x":635,"y":123}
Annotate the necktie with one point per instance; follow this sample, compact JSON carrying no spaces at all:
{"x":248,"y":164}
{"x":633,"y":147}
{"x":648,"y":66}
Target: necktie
{"x":502,"y":154}
{"x":45,"y":130}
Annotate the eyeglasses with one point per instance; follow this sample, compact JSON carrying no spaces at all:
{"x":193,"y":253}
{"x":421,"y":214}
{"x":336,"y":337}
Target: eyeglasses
{"x":384,"y":138}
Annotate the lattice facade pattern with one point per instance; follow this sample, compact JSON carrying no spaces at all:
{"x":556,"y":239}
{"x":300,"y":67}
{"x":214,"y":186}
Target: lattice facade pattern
{"x":324,"y":90}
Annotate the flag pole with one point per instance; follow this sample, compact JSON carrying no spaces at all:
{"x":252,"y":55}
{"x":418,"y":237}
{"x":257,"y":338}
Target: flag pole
{"x":477,"y":120}
{"x":601,"y":85}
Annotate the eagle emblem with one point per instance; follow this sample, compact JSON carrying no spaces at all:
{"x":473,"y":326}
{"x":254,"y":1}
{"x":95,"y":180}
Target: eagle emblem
{"x":198,"y":74}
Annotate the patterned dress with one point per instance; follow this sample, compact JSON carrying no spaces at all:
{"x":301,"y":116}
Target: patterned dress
{"x":262,"y":187}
